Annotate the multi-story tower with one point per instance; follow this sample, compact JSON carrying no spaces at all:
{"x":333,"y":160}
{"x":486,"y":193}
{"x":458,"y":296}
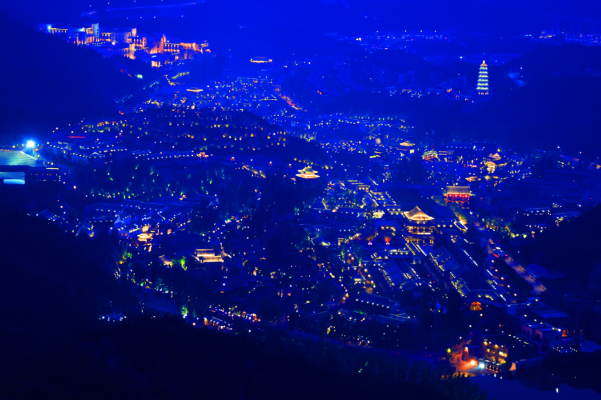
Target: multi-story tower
{"x":482,"y":87}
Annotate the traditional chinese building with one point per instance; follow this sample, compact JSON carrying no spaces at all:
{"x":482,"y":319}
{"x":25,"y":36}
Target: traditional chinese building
{"x":307,"y":173}
{"x":420,"y":227}
{"x":458,"y":194}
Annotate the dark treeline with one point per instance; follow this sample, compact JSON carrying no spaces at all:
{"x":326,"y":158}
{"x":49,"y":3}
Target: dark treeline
{"x":164,"y":358}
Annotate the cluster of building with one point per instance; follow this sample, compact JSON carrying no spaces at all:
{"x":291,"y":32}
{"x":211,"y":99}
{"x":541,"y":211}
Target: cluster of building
{"x":522,"y":334}
{"x":241,"y":94}
{"x":393,"y":238}
{"x":154,"y":49}
{"x":369,"y":245}
{"x":142,"y":222}
{"x":401,"y":255}
{"x":96,"y":152}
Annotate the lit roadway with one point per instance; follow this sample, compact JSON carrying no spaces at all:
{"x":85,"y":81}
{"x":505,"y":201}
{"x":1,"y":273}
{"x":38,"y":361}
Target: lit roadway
{"x":537,"y":288}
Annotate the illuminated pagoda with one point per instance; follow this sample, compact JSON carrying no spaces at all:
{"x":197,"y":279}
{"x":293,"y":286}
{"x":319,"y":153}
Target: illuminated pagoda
{"x":482,"y":87}
{"x":307,"y":173}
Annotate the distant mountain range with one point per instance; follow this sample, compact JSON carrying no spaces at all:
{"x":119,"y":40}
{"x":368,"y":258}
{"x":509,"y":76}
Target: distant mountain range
{"x":488,"y":16}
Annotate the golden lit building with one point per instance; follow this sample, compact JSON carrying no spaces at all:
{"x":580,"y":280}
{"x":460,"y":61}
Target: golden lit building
{"x":494,"y":162}
{"x":182,"y":50}
{"x":407,"y":147}
{"x":126,"y":42}
{"x":207,"y":256}
{"x":307,"y":173}
{"x":81,"y":35}
{"x":118,"y":36}
{"x":420,"y":226}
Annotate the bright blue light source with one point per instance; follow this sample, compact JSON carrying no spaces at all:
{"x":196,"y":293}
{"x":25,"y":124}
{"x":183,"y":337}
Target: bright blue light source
{"x":30,"y":144}
{"x":481,"y":365}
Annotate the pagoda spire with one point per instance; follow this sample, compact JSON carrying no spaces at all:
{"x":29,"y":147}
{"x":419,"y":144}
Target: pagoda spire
{"x":482,"y":87}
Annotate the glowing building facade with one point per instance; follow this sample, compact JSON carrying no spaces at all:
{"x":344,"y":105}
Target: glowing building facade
{"x":420,"y":227}
{"x":82,"y":35}
{"x":126,"y":42}
{"x":307,"y":173}
{"x":459,"y":195}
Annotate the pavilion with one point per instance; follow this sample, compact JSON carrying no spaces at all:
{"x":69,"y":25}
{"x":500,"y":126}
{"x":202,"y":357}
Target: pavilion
{"x":420,"y":226}
{"x":307,"y":173}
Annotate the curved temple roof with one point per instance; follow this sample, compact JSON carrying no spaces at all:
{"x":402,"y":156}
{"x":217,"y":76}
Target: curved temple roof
{"x":307,"y":173}
{"x":416,"y":214}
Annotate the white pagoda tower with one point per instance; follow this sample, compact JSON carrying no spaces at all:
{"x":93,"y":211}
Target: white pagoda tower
{"x":482,"y":87}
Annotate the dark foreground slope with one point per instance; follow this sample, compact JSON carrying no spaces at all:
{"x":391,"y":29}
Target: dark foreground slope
{"x":53,"y":345}
{"x":165,"y":359}
{"x":54,"y":286}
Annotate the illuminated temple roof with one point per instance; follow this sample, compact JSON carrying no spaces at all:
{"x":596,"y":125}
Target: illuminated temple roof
{"x":307,"y":173}
{"x":458,"y":190}
{"x":418,"y":215}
